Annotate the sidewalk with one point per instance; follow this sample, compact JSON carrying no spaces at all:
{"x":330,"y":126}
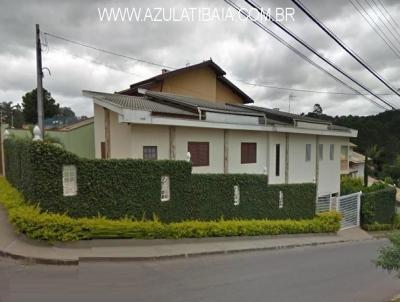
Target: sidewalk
{"x":71,"y":253}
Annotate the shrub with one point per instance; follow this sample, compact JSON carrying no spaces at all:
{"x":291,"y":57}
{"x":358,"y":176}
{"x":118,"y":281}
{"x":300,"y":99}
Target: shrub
{"x":134,"y":188}
{"x":35,"y":224}
{"x":389,"y":256}
{"x":378,"y":207}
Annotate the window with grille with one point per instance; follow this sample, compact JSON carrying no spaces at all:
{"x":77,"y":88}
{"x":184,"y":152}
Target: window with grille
{"x":199,"y":153}
{"x":165,"y":191}
{"x":321,"y":151}
{"x":308,"y":152}
{"x":331,"y":151}
{"x":69,"y":180}
{"x":248,"y":153}
{"x":149,"y":152}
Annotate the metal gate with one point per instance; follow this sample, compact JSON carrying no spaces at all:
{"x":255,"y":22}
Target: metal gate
{"x":347,"y":205}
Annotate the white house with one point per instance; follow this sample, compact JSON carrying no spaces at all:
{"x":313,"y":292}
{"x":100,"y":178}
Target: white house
{"x":355,"y":165}
{"x":221,"y":136}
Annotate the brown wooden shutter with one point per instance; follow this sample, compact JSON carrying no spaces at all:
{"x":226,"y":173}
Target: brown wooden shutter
{"x":248,"y":153}
{"x":199,"y":152}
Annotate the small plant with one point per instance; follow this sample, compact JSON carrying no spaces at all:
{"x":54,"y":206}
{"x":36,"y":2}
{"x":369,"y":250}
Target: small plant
{"x":389,"y":256}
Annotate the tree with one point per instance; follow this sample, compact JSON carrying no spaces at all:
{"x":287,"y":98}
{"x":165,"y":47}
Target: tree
{"x":317,"y":109}
{"x":29,"y":104}
{"x":12,"y":114}
{"x":66,"y":112}
{"x":389,"y":256}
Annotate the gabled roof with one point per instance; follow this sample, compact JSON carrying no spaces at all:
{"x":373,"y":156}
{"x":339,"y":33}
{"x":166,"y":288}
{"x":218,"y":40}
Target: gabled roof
{"x":220,"y":73}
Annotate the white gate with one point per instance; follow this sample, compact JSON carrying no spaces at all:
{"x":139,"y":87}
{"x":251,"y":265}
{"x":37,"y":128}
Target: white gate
{"x":347,"y":205}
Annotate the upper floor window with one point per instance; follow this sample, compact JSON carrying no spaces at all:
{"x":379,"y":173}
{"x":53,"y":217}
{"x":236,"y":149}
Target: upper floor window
{"x":308,"y":152}
{"x":321,"y":151}
{"x":149,"y":152}
{"x":248,"y":153}
{"x":331,"y":151}
{"x":199,"y":153}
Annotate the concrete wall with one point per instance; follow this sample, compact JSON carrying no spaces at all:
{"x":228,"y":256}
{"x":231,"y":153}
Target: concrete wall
{"x":99,"y":133}
{"x":235,"y":138}
{"x":215,"y":137}
{"x":127,"y":141}
{"x":301,"y":170}
{"x":80,"y":140}
{"x":150,"y":135}
{"x":329,"y":170}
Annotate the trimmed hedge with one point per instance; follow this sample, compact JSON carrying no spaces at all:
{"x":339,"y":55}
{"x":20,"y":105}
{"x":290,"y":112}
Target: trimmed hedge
{"x":378,"y":207}
{"x":131,"y":188}
{"x":35,"y":224}
{"x":213,"y":195}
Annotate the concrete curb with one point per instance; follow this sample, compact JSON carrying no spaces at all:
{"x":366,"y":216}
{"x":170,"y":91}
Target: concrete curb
{"x":52,"y":261}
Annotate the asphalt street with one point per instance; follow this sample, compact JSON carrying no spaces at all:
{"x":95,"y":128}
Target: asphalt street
{"x":339,"y":272}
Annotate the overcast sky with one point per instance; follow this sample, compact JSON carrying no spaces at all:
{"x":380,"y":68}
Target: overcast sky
{"x":238,"y":46}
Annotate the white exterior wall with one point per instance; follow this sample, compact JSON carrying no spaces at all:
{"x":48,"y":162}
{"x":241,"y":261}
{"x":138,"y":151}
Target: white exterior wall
{"x":300,"y":170}
{"x":99,"y":132}
{"x":329,"y":170}
{"x":235,"y":138}
{"x":273,"y":140}
{"x":215,"y":137}
{"x":119,"y":132}
{"x":127,"y":141}
{"x":150,"y":135}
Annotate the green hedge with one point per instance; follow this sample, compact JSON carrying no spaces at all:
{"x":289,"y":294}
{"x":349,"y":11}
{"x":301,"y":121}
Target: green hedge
{"x":213,"y":195}
{"x":128,"y":187}
{"x":378,"y":207}
{"x":30,"y":220}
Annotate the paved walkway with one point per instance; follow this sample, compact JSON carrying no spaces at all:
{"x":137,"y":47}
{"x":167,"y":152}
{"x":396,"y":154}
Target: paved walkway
{"x":19,"y":247}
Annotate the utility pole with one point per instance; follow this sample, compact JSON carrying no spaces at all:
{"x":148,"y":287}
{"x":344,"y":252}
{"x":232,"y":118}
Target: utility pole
{"x":39,"y":89}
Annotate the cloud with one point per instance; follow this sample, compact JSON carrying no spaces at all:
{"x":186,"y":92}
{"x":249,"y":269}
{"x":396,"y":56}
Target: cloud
{"x":240,"y":47}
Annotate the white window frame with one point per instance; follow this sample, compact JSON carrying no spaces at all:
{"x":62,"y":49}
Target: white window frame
{"x":69,"y":180}
{"x":165,"y":188}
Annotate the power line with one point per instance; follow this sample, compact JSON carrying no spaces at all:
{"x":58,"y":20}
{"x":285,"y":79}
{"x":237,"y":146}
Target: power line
{"x":107,"y":51}
{"x":390,"y":16}
{"x":340,"y":42}
{"x":377,"y":30}
{"x":302,"y":42}
{"x":386,"y":18}
{"x":299,"y":53}
{"x":384,"y":24}
{"x":237,"y":79}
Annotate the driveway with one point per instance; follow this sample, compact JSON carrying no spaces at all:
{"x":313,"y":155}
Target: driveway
{"x":338,"y":272}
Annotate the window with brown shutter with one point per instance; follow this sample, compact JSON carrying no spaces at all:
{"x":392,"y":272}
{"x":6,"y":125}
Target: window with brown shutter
{"x":249,"y":153}
{"x":199,"y":153}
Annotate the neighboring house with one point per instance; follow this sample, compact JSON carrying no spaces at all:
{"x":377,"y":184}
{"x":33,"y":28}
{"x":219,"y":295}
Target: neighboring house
{"x":77,"y":137}
{"x":352,"y":163}
{"x":196,"y":110}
